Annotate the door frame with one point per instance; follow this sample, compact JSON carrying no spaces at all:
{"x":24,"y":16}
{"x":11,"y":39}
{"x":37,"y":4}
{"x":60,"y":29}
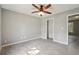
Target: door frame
{"x":68,"y":22}
{"x":52,"y":27}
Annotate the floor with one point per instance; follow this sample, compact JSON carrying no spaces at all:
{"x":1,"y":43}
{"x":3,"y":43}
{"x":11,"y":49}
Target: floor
{"x":42,"y":47}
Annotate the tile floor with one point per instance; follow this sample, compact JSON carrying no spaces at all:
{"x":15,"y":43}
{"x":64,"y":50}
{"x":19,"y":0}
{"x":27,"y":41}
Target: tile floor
{"x":41,"y":47}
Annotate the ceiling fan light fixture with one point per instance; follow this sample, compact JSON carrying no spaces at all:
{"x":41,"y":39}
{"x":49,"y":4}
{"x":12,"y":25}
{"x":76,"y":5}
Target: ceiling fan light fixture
{"x":41,"y":13}
{"x":42,"y":9}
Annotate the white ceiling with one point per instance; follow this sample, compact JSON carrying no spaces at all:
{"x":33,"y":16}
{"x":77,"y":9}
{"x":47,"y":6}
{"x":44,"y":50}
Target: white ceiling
{"x":28,"y":8}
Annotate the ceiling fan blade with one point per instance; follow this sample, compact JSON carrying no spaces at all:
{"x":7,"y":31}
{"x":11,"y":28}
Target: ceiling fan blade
{"x":35,"y":6}
{"x":35,"y":11}
{"x":47,"y":12}
{"x":48,"y":6}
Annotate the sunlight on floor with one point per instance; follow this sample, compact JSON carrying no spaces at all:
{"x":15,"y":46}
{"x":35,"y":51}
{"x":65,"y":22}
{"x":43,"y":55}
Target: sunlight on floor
{"x":33,"y":51}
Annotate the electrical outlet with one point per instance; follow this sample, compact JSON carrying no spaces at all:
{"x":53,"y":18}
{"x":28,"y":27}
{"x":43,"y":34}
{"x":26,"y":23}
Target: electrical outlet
{"x":23,"y":37}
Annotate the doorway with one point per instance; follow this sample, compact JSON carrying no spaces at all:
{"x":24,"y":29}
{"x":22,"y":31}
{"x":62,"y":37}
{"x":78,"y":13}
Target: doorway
{"x":73,"y":28}
{"x":50,"y":29}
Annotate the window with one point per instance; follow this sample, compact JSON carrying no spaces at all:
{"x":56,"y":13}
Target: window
{"x":70,"y":27}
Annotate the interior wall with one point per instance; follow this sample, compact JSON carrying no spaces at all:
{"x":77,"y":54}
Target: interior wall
{"x":18,"y":27}
{"x":61,"y":26}
{"x":60,"y":21}
{"x":0,"y":28}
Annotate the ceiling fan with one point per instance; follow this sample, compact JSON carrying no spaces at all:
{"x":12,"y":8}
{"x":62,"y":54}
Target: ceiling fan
{"x":42,"y":9}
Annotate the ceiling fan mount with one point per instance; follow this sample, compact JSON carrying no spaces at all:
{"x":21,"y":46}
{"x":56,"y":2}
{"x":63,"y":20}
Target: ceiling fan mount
{"x":42,"y":9}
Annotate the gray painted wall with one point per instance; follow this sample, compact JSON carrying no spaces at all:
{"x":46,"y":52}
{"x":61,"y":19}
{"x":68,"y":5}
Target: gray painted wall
{"x":60,"y":26}
{"x":18,"y":27}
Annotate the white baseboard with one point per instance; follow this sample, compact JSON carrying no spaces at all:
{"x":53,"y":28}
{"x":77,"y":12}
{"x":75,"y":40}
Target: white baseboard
{"x":20,"y":41}
{"x":60,"y":42}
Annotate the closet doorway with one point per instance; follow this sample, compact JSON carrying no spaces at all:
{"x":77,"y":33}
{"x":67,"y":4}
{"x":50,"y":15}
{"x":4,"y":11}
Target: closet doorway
{"x":50,"y":29}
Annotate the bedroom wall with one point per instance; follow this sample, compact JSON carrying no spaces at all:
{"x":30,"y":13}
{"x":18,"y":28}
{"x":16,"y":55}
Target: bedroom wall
{"x":60,"y":23}
{"x":18,"y":27}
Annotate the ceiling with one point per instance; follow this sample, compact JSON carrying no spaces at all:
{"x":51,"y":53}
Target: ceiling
{"x":28,"y":8}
